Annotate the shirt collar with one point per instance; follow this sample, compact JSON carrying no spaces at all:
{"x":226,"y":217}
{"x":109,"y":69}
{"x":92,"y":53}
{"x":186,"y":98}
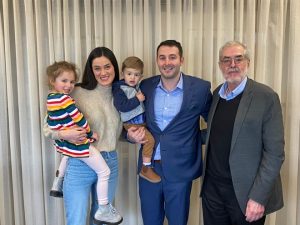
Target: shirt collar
{"x":179,"y":84}
{"x":231,"y":95}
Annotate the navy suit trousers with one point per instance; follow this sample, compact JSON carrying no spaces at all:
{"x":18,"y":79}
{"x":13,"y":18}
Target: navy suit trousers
{"x":170,"y":199}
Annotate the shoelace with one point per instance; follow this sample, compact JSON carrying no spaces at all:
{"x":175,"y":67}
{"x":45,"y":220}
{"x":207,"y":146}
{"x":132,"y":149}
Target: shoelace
{"x":112,"y":209}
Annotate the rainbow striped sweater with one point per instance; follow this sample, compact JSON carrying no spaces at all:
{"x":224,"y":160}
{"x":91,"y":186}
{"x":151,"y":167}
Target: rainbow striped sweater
{"x":63,"y":114}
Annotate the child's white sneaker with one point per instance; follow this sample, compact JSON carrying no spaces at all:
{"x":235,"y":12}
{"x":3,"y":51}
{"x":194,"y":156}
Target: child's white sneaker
{"x":107,"y":214}
{"x":57,"y":187}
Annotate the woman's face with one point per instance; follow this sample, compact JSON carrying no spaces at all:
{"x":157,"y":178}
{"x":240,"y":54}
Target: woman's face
{"x":103,"y":70}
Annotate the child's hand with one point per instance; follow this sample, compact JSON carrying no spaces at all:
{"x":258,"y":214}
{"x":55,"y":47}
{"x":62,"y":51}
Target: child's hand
{"x":140,"y":96}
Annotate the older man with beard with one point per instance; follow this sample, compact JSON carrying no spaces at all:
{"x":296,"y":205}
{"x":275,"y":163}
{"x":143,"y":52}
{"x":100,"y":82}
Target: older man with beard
{"x":244,"y":146}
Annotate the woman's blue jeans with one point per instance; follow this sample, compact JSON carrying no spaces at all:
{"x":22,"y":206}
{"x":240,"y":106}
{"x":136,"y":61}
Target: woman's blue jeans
{"x":79,"y":182}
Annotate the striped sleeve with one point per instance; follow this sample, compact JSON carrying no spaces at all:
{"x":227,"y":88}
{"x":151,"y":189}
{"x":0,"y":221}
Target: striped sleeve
{"x":76,"y":115}
{"x":62,"y":106}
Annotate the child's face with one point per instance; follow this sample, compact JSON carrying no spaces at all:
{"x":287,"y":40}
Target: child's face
{"x":132,"y":76}
{"x":64,"y":83}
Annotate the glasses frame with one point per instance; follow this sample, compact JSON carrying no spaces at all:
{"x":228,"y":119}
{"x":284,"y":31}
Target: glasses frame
{"x":238,"y":59}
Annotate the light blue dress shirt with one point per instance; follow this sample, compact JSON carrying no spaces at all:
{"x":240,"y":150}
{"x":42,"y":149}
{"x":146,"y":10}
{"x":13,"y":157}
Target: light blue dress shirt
{"x":231,"y":95}
{"x":166,"y":106}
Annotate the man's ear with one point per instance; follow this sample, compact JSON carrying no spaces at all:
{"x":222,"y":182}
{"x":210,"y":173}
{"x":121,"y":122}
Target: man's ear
{"x":219,"y":63}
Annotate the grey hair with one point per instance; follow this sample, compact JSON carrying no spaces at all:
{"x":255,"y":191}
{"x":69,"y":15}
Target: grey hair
{"x":234,"y":43}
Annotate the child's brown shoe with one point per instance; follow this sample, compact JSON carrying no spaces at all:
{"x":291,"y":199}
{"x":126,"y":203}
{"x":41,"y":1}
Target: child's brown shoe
{"x":149,"y":174}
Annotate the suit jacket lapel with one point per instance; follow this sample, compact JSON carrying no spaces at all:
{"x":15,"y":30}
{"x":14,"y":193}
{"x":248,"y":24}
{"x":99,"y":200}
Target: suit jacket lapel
{"x":212,"y":111}
{"x":242,"y":111}
{"x":150,"y":96}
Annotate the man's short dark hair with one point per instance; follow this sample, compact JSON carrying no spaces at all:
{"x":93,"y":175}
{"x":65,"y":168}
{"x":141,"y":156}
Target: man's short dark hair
{"x":171,"y":43}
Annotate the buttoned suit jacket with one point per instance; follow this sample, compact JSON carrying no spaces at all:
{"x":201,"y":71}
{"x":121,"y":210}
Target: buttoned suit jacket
{"x":180,"y":141}
{"x":257,"y":146}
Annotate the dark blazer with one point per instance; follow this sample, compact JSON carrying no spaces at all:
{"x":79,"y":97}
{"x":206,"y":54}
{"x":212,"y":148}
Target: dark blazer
{"x":180,"y":141}
{"x":257,"y":146}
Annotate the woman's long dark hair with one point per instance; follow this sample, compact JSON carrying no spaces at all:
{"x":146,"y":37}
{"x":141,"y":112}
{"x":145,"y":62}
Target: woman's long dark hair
{"x":88,"y":80}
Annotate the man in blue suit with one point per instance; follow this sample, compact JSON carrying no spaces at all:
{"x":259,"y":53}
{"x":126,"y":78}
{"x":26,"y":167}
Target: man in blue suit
{"x":173,"y":106}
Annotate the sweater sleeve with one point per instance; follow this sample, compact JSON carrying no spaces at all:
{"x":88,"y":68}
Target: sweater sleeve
{"x":48,"y":132}
{"x":122,"y":103}
{"x":76,"y":115}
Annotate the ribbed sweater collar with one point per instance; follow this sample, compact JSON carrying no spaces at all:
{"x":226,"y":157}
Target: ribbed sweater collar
{"x":104,"y":90}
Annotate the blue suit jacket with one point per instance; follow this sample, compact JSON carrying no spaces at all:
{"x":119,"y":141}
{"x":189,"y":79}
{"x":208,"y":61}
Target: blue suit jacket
{"x":180,"y":141}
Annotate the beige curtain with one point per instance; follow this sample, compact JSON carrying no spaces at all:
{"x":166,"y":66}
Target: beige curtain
{"x":34,"y":33}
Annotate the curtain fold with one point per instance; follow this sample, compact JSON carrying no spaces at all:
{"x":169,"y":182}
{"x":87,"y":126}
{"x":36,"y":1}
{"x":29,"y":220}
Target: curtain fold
{"x":34,"y":34}
{"x":6,"y":205}
{"x":291,"y":166}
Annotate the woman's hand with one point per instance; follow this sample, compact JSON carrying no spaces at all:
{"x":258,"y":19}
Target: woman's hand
{"x":74,"y":135}
{"x":95,"y":136}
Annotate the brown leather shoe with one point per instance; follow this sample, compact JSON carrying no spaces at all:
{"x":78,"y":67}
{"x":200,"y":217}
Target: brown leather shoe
{"x":149,"y":174}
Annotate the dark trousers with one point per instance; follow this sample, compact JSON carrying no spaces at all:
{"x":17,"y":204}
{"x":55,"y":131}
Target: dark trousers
{"x":170,"y":199}
{"x":220,"y":206}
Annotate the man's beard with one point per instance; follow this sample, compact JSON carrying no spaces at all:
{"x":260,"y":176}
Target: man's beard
{"x":236,"y":79}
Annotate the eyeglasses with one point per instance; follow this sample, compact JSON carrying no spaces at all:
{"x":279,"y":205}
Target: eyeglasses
{"x":227,"y":61}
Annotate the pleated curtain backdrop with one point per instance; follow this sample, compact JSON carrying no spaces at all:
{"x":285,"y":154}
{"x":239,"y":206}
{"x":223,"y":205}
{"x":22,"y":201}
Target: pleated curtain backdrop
{"x":35,"y":33}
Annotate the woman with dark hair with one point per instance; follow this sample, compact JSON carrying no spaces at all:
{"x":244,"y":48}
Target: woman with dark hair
{"x":89,"y":80}
{"x":93,"y":97}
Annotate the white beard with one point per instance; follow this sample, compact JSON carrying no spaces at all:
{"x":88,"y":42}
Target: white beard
{"x":236,"y":79}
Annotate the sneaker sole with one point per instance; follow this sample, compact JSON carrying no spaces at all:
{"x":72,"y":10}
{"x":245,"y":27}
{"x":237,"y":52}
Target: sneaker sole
{"x":56,"y":194}
{"x":99,"y":222}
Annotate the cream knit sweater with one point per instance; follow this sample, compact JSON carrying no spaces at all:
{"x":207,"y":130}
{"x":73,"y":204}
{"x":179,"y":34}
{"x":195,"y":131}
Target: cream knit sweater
{"x":98,"y":109}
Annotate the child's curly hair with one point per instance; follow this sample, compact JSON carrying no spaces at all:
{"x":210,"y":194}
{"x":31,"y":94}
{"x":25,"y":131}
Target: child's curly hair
{"x":54,"y":70}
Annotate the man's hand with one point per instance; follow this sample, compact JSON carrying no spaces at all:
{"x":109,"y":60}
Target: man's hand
{"x":136,"y":135}
{"x":254,"y":211}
